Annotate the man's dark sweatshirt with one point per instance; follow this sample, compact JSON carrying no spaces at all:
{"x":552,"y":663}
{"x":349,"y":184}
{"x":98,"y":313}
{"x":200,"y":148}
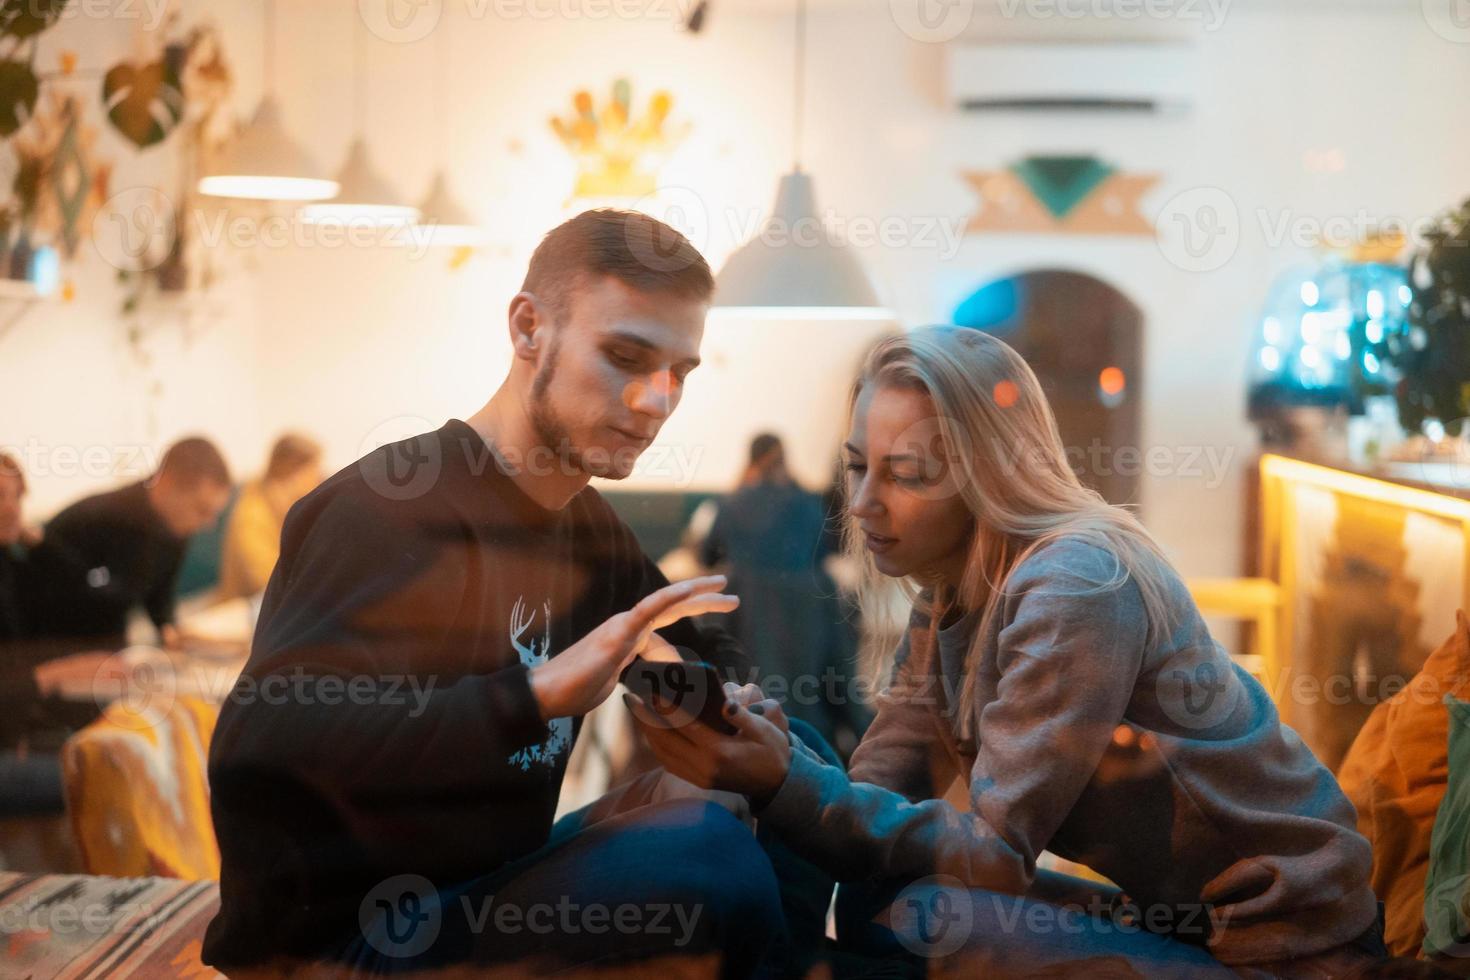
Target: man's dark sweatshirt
{"x":385,"y":723}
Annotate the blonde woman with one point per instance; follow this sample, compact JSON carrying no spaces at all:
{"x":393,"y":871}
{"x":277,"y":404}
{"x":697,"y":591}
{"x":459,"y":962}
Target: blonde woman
{"x":1055,"y":665}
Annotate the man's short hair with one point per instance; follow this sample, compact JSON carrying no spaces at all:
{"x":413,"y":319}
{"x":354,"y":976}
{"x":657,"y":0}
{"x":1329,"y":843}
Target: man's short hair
{"x":9,"y":466}
{"x":193,"y":461}
{"x":631,"y":247}
{"x":291,"y":453}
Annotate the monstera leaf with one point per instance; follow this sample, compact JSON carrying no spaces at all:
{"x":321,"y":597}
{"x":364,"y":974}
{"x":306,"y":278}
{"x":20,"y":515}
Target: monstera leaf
{"x":144,"y":103}
{"x":22,"y":19}
{"x":18,"y":90}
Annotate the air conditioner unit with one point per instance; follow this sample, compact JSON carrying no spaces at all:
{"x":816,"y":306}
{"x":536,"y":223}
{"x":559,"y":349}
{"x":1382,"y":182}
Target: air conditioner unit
{"x":1137,"y":77}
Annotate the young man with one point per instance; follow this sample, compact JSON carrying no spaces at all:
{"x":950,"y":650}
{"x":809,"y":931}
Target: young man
{"x":108,"y":554}
{"x":443,"y":613}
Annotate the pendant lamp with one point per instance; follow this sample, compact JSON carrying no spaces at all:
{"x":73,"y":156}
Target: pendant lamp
{"x":793,"y":268}
{"x":363,"y":194}
{"x":264,"y":162}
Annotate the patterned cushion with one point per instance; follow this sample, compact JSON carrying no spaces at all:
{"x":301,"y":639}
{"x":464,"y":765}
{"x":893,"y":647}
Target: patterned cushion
{"x":78,"y":927}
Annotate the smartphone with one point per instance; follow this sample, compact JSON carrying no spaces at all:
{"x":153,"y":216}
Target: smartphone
{"x":682,"y":692}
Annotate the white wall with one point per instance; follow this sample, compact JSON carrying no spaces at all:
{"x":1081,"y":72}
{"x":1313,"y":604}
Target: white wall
{"x":351,"y":343}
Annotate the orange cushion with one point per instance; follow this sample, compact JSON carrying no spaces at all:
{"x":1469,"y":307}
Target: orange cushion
{"x":1396,"y":773}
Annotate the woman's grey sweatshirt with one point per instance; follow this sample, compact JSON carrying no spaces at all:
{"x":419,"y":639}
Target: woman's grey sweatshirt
{"x":1162,"y":765}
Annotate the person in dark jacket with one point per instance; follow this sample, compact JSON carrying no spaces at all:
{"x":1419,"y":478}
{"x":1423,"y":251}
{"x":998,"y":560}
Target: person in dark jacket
{"x":114,"y":552}
{"x":770,"y":535}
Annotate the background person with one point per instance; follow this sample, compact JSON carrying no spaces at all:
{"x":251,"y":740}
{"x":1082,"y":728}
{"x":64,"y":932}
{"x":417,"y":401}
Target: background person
{"x":768,"y":535}
{"x":109,"y":554}
{"x":252,"y":539}
{"x":15,"y":540}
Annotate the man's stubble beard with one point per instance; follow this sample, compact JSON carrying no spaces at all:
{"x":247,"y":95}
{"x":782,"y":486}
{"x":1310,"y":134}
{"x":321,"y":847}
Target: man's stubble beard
{"x":551,"y":432}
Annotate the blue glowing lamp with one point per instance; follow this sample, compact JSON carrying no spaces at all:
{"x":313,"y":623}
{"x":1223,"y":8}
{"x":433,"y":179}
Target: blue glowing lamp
{"x":1315,"y":344}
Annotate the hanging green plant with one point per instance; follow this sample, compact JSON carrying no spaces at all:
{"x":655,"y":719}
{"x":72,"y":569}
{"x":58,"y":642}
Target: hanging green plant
{"x":144,"y":103}
{"x":1434,"y":352}
{"x":18,"y":91}
{"x":22,"y":19}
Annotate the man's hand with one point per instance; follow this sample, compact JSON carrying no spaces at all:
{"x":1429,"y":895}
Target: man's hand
{"x":754,"y":761}
{"x":582,"y":676}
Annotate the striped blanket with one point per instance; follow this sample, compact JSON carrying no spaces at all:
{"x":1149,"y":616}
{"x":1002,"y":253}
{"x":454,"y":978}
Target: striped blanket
{"x":86,"y":927}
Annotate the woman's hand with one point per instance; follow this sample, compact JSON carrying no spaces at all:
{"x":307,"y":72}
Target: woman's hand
{"x":752,"y":697}
{"x":753,"y":762}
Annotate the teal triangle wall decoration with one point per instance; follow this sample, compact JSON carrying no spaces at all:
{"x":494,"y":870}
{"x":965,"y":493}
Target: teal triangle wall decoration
{"x":1062,"y":183}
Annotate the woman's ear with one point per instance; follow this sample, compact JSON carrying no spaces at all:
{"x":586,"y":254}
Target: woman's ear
{"x":527,"y":321}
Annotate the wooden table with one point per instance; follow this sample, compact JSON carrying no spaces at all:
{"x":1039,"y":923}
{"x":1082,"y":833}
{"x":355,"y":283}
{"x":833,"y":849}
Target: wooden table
{"x":140,"y":675}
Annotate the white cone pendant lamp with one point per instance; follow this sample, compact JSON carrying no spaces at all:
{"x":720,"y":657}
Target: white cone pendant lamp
{"x":363,"y":195}
{"x":446,"y":221}
{"x":793,"y":268}
{"x":264,"y":162}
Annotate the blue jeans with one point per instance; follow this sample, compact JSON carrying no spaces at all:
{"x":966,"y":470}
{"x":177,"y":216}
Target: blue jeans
{"x":938,"y":928}
{"x":630,"y":877}
{"x":681,"y":879}
{"x":30,"y":784}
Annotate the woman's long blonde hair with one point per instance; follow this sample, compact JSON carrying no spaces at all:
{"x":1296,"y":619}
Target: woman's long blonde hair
{"x":1008,"y":464}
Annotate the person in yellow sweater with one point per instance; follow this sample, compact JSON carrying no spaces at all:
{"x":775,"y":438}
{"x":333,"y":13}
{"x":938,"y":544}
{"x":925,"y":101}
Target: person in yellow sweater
{"x":253,"y":536}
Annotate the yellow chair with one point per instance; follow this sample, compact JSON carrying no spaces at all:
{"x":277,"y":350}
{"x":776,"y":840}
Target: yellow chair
{"x":137,"y":791}
{"x":1256,"y":601}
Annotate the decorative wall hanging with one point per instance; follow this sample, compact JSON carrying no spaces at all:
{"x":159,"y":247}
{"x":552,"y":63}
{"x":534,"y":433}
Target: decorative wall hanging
{"x":1078,"y":195}
{"x":18,"y":91}
{"x":205,"y":125}
{"x":51,"y":178}
{"x":618,"y":154}
{"x":21,"y":22}
{"x":59,"y":182}
{"x":145,"y":102}
{"x":195,"y":66}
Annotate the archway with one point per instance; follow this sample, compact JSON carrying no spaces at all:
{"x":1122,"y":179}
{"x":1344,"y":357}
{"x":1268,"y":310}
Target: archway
{"x":1083,"y":338}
